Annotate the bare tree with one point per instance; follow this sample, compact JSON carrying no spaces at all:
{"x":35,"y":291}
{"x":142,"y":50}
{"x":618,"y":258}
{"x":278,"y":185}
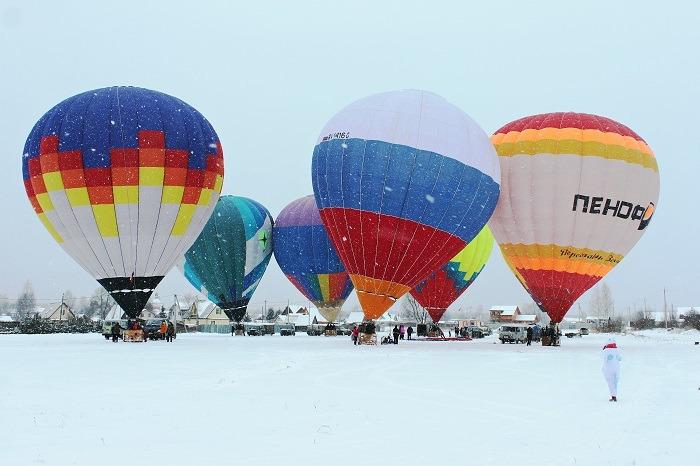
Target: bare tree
{"x":601,"y":302}
{"x":5,"y":304}
{"x":410,"y":309}
{"x":606,"y":300}
{"x":26,"y":303}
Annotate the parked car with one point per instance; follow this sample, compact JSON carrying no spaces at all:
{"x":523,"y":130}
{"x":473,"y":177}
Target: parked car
{"x":287,"y":330}
{"x":255,"y":331}
{"x":475,"y":332}
{"x":152,"y":329}
{"x":512,"y":334}
{"x":584,"y":331}
{"x":107,"y":327}
{"x":486,"y":330}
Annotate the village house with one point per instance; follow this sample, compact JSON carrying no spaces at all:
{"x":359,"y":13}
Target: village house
{"x":526,"y":319}
{"x":205,"y":312}
{"x":58,"y":312}
{"x":504,"y":313}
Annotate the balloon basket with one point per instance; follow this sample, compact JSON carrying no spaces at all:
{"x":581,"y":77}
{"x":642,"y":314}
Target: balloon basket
{"x":367,"y":333}
{"x":134,"y":336}
{"x":550,"y":341}
{"x":367,"y":339}
{"x":330,"y":330}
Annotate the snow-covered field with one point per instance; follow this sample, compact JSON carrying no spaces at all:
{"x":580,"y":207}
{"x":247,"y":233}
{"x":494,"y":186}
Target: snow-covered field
{"x":221,"y":400}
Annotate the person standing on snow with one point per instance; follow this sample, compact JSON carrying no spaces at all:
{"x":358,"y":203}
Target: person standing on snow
{"x":116,"y":329}
{"x":170,"y":332}
{"x":409,"y":332}
{"x":395,"y":332}
{"x":402,"y":331}
{"x":529,"y":336}
{"x":611,"y":367}
{"x":355,"y":334}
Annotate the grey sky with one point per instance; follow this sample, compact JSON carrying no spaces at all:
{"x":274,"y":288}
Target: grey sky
{"x":268,"y":76}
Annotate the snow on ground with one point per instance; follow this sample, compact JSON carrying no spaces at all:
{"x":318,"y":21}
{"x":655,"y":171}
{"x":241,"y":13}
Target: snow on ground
{"x":222,"y":400}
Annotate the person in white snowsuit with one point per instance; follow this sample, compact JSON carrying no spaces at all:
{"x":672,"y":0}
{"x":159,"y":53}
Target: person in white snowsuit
{"x":611,"y":367}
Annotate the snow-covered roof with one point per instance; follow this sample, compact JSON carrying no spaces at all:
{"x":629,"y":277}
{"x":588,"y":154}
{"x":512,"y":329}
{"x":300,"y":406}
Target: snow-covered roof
{"x":387,"y":317}
{"x":505,"y":310}
{"x":526,"y":318}
{"x":687,"y":309}
{"x":296,"y":319}
{"x":51,"y":308}
{"x":204,"y":308}
{"x":355,"y":317}
{"x":115,"y":313}
{"x":6,"y":318}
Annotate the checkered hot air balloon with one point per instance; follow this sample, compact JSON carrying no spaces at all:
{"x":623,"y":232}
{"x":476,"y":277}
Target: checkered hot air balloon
{"x":230,"y":256}
{"x":403,"y":180}
{"x":124,"y":179}
{"x":307,"y":257}
{"x":578,"y":192}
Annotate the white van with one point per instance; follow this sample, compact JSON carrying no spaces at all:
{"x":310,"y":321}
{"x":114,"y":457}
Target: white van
{"x":512,"y":334}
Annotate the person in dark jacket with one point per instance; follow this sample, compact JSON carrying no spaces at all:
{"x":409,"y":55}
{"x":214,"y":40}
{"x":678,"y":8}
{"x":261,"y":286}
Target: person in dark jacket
{"x":409,"y":332}
{"x":396,"y":333}
{"x":116,"y":330}
{"x":529,"y":336}
{"x":170,"y":332}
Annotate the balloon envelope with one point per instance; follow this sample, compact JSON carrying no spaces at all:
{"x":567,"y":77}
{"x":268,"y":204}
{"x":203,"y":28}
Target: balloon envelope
{"x":124,"y":179}
{"x":578,"y":192}
{"x":308,"y":258}
{"x":230,"y":256}
{"x":445,"y":285}
{"x":403,"y":181}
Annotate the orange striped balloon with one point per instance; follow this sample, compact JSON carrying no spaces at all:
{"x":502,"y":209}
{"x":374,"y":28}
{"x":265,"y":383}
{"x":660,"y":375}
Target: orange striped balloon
{"x":578,"y":191}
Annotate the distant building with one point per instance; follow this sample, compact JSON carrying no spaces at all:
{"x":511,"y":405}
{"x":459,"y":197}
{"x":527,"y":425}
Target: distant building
{"x":355,"y":317}
{"x":205,"y":312}
{"x":58,"y":311}
{"x":527,"y":319}
{"x":504,"y":313}
{"x":300,"y":316}
{"x":115,"y":313}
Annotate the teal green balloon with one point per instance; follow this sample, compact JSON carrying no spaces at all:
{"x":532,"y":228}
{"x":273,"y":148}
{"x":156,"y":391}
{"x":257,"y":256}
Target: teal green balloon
{"x":230,"y":256}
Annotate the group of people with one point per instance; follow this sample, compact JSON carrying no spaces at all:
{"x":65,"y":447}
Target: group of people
{"x":166,"y":330}
{"x":399,"y":332}
{"x":462,"y":332}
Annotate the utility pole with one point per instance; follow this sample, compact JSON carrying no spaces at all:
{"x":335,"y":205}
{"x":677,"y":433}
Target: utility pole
{"x":665,"y":311}
{"x":60,"y":313}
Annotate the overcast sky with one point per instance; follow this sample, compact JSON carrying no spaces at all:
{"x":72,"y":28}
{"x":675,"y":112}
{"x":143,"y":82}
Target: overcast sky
{"x":268,"y":76}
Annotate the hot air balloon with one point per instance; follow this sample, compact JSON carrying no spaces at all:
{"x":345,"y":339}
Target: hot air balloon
{"x":403,"y":180}
{"x":308,"y":259}
{"x":124,"y":179}
{"x":445,"y":285}
{"x":231,"y":254}
{"x":578,"y":192}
